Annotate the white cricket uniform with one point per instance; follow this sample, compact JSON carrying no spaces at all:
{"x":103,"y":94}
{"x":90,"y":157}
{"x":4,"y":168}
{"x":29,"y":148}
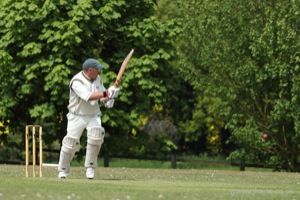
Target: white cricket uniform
{"x":83,"y":113}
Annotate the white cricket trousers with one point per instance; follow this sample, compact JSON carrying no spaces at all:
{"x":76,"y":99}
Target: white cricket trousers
{"x":77,"y":124}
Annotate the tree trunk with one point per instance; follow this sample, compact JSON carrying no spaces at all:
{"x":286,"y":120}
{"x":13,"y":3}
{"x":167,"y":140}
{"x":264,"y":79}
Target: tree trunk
{"x":173,"y":160}
{"x":242,"y":164}
{"x":106,"y":160}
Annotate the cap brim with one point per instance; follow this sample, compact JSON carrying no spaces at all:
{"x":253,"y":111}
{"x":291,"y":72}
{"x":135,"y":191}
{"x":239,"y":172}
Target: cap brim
{"x":99,"y":66}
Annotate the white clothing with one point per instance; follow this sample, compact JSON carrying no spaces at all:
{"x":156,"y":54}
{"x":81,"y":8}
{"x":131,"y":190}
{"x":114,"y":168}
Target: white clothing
{"x":81,"y":88}
{"x":83,"y":114}
{"x":77,"y":124}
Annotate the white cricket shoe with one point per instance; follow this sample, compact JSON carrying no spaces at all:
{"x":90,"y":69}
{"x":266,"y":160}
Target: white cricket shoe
{"x":90,"y":173}
{"x":62,"y":174}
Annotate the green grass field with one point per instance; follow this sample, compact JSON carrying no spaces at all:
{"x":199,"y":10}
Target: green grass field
{"x":115,"y":183}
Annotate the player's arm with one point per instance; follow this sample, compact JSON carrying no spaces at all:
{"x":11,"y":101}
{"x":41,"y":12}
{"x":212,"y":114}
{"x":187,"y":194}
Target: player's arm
{"x":111,"y":92}
{"x":97,"y":95}
{"x":80,"y":90}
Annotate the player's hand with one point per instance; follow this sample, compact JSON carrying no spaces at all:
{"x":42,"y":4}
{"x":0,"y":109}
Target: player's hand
{"x":112,"y":92}
{"x":104,"y":99}
{"x":108,"y":103}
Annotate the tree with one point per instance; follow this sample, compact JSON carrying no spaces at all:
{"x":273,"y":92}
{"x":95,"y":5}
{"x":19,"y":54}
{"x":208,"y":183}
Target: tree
{"x":245,"y":55}
{"x":43,"y":44}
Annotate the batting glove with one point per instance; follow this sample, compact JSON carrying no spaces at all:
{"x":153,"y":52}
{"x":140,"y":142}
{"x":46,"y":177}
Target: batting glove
{"x":108,"y":103}
{"x":112,"y":92}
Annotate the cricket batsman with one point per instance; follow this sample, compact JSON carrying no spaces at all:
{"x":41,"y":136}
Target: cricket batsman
{"x":86,"y":89}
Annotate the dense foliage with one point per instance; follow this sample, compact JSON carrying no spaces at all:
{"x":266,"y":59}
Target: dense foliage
{"x":44,"y":43}
{"x":243,"y":56}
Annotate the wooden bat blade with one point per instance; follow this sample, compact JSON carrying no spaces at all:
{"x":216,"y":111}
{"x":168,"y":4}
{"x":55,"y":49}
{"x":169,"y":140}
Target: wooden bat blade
{"x":123,"y":66}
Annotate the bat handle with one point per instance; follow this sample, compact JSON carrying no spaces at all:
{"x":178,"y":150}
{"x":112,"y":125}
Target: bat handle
{"x":116,"y":83}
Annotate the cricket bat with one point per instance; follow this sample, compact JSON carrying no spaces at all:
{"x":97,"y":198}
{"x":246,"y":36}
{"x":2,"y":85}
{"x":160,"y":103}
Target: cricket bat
{"x":123,"y":66}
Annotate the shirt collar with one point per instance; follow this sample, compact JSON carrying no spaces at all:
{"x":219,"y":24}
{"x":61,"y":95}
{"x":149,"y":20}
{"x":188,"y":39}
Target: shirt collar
{"x":87,"y":78}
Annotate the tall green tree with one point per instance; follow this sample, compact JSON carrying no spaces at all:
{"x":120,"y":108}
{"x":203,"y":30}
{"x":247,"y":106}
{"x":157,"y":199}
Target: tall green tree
{"x":245,"y":55}
{"x":43,"y":44}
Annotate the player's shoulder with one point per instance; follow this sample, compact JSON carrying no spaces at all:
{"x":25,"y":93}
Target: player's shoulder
{"x":78,"y":75}
{"x":78,"y":78}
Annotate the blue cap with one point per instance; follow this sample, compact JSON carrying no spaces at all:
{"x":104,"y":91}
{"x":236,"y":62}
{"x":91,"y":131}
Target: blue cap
{"x":91,"y":63}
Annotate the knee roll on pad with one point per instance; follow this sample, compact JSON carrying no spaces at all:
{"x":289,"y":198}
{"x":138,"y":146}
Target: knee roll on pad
{"x":96,"y":136}
{"x":69,"y":144}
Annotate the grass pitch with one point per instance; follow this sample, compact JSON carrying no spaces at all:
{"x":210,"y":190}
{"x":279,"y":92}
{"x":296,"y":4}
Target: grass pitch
{"x":148,"y":184}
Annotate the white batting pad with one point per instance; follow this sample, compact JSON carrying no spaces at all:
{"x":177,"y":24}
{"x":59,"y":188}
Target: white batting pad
{"x":95,"y":140}
{"x":95,"y":135}
{"x":68,"y":149}
{"x":64,"y":161}
{"x":91,"y":157}
{"x":69,"y":144}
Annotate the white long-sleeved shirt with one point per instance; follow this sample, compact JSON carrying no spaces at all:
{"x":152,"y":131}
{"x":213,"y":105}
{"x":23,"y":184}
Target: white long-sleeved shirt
{"x":81,"y":88}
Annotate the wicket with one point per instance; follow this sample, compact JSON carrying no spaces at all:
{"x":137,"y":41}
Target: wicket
{"x":27,"y":130}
